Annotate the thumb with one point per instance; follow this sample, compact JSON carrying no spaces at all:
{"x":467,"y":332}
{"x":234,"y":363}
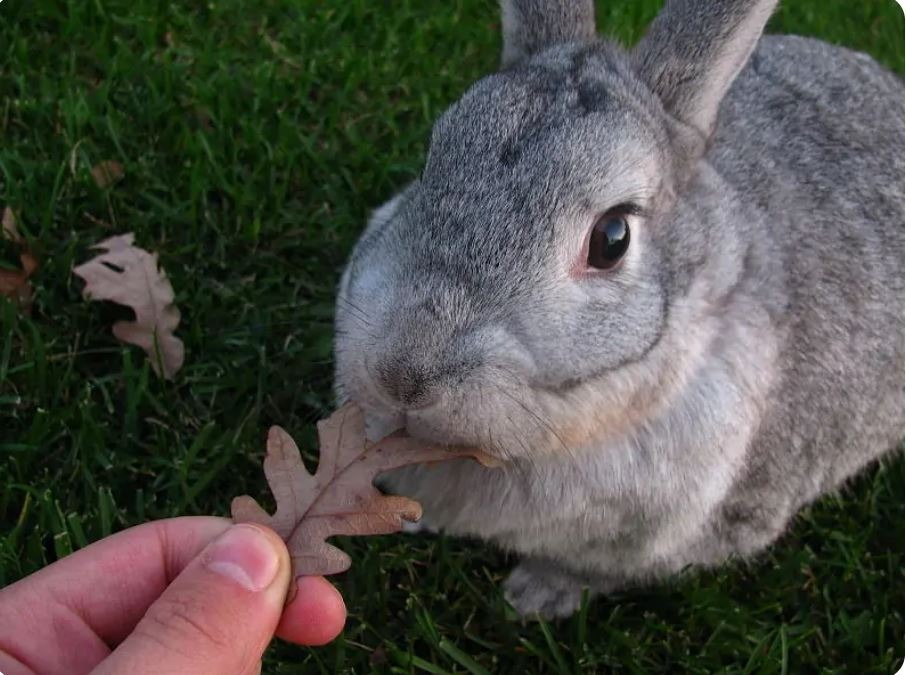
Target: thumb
{"x":217,"y":616}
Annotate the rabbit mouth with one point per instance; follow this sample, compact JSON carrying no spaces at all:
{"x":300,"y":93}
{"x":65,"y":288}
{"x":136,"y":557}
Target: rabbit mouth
{"x":378,"y":425}
{"x":418,"y":426}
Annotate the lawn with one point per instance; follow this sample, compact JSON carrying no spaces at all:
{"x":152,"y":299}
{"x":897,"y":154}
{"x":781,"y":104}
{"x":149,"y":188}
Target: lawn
{"x":256,"y":137}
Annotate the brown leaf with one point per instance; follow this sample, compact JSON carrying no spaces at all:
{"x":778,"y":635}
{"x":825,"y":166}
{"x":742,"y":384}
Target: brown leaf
{"x":339,"y":499}
{"x":29,"y":263}
{"x":9,"y":226}
{"x":130,"y":276}
{"x":15,"y":284}
{"x":107,"y":173}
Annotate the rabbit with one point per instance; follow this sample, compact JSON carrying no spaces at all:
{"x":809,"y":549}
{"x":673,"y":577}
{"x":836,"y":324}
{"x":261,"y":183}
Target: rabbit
{"x":664,"y":286}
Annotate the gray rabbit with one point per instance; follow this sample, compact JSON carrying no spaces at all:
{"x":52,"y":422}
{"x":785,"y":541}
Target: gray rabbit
{"x":664,"y":286}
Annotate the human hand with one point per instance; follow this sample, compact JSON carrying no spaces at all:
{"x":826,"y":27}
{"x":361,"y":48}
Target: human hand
{"x":187,"y":595}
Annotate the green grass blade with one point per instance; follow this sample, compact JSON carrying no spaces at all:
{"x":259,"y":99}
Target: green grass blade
{"x":462,"y":658}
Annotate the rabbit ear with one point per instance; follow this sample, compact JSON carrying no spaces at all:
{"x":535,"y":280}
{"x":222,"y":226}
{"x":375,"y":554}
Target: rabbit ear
{"x":694,"y":50}
{"x":532,"y":25}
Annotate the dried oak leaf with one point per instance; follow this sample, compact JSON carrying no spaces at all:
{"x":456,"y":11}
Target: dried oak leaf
{"x":339,"y":499}
{"x":9,"y":226}
{"x":130,"y":276}
{"x":107,"y":173}
{"x":15,"y":284}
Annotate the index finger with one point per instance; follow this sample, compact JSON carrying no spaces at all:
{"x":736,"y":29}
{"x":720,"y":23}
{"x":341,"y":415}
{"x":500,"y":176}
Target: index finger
{"x":109,"y":585}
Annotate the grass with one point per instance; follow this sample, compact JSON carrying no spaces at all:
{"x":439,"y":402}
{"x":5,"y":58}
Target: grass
{"x":255,"y":138}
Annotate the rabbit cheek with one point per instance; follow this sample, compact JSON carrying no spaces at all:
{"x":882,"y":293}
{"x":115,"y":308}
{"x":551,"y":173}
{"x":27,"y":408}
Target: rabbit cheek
{"x":596,"y":421}
{"x":584,"y":431}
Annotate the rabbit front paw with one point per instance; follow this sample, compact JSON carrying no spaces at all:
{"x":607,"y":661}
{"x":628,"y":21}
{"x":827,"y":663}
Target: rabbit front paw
{"x":537,"y":589}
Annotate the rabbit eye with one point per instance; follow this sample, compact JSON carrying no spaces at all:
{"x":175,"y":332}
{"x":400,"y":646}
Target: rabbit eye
{"x":609,"y":241}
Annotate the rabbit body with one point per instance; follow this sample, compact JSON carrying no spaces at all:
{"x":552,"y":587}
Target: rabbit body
{"x":744,"y":358}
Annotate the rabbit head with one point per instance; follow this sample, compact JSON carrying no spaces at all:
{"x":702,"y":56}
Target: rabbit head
{"x":525,"y":293}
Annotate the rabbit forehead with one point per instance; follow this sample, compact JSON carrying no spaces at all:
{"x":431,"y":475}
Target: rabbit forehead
{"x":566,"y":127}
{"x":519,"y":168}
{"x":553,"y":89}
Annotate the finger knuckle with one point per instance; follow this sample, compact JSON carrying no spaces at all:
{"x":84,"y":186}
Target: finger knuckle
{"x":179,"y":620}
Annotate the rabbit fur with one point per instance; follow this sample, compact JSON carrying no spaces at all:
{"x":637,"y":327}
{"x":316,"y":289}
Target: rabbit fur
{"x":745,"y":357}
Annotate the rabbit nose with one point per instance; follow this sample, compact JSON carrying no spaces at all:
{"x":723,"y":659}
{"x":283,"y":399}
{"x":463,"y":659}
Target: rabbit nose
{"x":409,"y":384}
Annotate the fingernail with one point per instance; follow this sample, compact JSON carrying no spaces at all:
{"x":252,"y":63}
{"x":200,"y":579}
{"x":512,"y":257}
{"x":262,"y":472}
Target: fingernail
{"x":246,"y":555}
